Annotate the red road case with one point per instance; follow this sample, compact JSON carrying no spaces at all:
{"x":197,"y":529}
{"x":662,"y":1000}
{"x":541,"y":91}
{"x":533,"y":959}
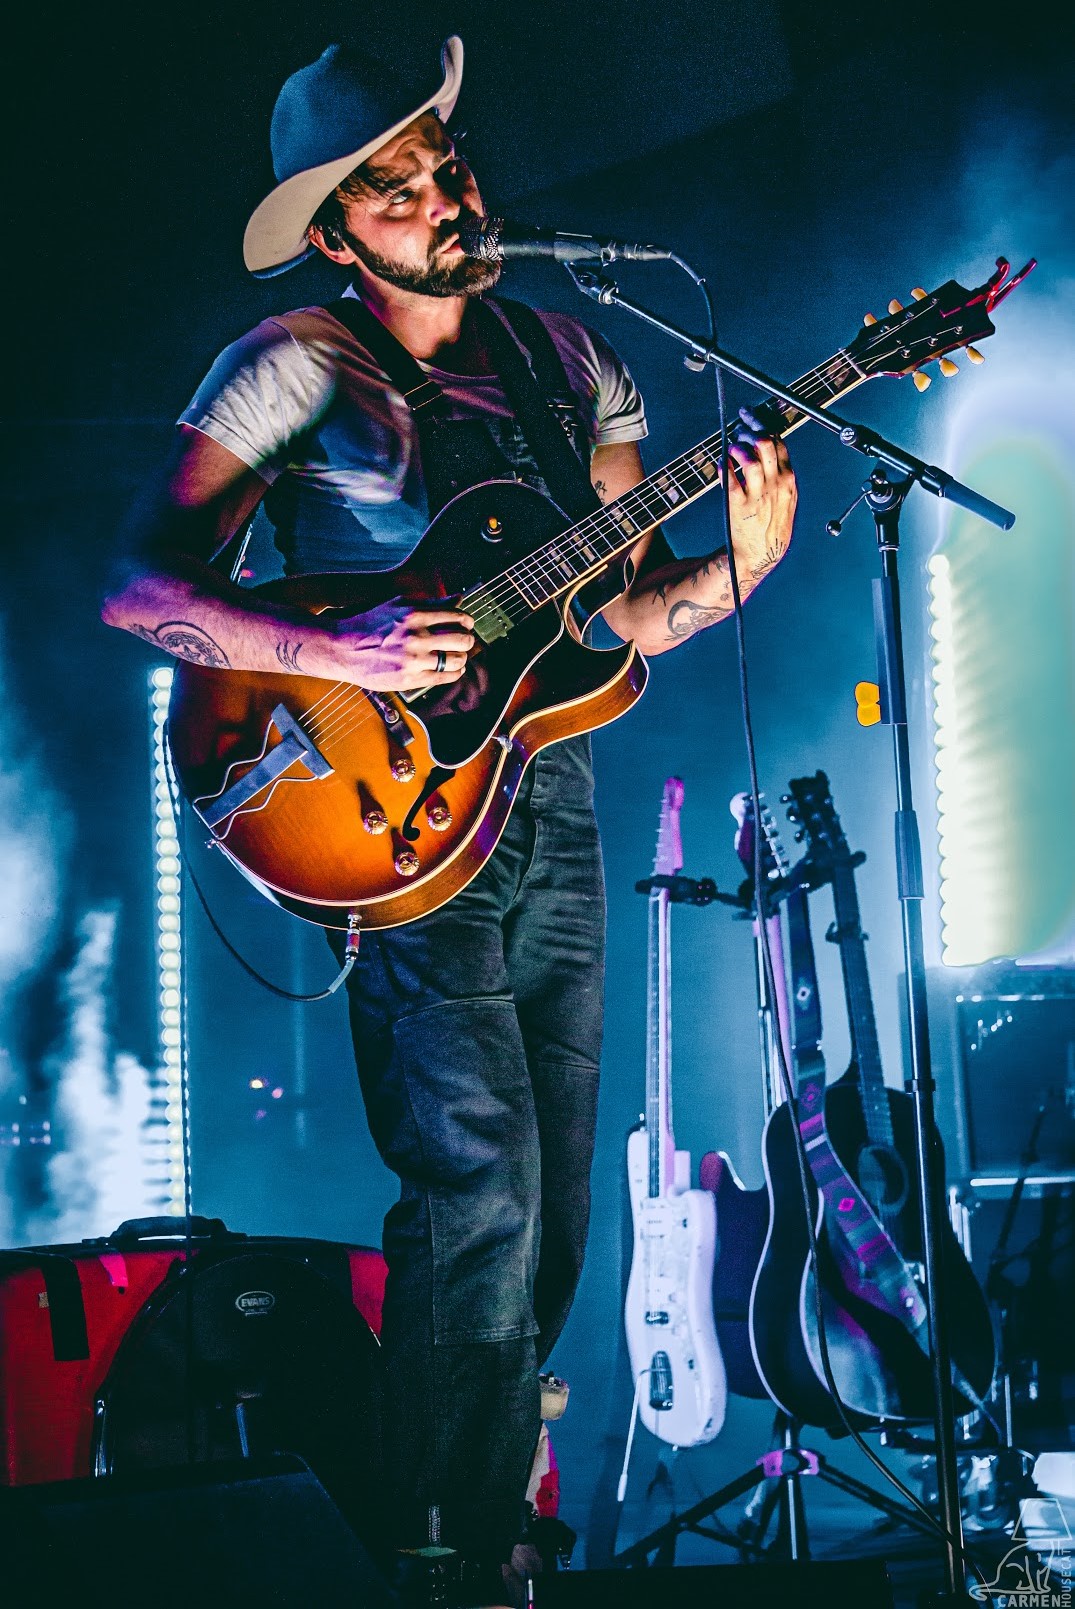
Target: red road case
{"x":66,"y":1312}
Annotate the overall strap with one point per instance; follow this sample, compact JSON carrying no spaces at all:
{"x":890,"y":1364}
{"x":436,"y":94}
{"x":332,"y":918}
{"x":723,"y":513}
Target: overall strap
{"x":532,"y":388}
{"x":532,"y":334}
{"x":422,"y":395}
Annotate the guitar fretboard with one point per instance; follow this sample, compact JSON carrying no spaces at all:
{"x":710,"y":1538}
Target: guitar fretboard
{"x":588,"y":547}
{"x":658,"y":1044}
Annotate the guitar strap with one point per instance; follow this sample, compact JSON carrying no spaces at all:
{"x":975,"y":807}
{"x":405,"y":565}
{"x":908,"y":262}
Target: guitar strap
{"x":535,"y":382}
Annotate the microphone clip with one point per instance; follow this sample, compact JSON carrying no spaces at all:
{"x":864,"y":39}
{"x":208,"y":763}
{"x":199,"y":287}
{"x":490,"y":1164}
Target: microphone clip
{"x":598,"y":287}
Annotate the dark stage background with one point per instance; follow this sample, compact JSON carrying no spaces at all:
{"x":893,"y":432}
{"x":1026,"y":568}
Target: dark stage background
{"x":813,"y":162}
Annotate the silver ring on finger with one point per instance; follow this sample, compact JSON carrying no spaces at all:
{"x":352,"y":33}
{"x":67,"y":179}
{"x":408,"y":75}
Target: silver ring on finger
{"x":442,"y":661}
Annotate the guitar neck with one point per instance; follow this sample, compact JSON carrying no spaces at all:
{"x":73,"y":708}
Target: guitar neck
{"x":586,"y":549}
{"x":805,"y":1000}
{"x":659,"y":1046}
{"x":863,"y":1024}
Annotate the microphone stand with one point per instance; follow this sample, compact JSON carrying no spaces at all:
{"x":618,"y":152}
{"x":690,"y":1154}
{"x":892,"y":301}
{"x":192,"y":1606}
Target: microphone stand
{"x":885,"y":499}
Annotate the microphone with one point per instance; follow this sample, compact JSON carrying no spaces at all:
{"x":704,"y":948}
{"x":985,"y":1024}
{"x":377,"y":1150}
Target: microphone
{"x":496,"y":240}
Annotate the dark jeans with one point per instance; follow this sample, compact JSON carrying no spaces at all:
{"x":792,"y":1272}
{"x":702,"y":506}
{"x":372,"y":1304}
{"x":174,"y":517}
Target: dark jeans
{"x":477,"y":1035}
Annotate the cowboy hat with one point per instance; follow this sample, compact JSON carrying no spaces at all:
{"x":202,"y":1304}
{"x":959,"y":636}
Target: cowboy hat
{"x":328,"y":119}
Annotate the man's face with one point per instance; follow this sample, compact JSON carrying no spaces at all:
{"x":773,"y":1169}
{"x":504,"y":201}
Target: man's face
{"x":404,"y":227}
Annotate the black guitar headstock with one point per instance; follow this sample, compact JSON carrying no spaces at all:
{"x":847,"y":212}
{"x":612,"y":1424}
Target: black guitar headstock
{"x":810,"y":807}
{"x":935,"y":324}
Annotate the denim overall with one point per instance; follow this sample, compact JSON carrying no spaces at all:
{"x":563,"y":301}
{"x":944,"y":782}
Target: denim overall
{"x":477,"y":1034}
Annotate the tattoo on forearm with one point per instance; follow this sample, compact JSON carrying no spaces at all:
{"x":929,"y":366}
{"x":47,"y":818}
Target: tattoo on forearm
{"x":288,"y":654}
{"x":774,"y":552}
{"x":685,"y":618}
{"x":601,"y":489}
{"x":185,"y":641}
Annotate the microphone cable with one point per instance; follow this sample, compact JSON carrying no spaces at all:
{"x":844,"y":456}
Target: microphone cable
{"x":802,"y":1160}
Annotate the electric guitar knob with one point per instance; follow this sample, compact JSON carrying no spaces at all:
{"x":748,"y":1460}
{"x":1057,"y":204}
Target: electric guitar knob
{"x":406,"y":862}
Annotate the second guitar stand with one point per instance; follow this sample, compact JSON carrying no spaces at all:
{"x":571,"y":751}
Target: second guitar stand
{"x":785,"y":1465}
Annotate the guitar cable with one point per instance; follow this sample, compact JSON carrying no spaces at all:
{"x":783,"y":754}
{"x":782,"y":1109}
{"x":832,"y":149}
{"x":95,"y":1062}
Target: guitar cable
{"x":785,"y":1077}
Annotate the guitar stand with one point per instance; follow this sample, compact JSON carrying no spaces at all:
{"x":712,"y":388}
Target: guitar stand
{"x":785,"y":1467}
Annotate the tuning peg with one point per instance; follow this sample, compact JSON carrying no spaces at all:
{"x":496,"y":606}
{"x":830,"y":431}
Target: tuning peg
{"x":919,"y":294}
{"x":793,"y":814}
{"x":894,"y":306}
{"x":800,"y":835}
{"x":974,"y":355}
{"x":785,"y":798}
{"x":922,"y":381}
{"x":869,"y":318}
{"x":948,"y":368}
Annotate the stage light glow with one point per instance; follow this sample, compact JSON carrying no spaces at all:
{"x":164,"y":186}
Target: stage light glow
{"x":1002,"y":644}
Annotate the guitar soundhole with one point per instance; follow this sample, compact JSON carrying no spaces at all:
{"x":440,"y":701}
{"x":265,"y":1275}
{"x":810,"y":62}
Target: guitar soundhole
{"x":883,"y":1179}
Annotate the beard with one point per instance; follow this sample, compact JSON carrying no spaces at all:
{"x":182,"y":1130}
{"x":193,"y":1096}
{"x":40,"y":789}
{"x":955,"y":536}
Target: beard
{"x":465,"y":276}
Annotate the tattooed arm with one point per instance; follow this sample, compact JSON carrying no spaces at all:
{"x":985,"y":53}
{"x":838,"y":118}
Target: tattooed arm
{"x":671,"y":599}
{"x":170,"y":596}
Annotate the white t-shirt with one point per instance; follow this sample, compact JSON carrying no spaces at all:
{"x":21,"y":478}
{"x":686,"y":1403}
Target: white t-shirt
{"x":306,"y":407}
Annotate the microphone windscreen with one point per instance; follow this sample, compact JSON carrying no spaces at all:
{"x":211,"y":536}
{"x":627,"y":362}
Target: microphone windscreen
{"x":481,"y":238}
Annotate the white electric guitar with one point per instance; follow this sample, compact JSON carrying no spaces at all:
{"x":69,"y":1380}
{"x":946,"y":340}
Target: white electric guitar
{"x":680,"y":1385}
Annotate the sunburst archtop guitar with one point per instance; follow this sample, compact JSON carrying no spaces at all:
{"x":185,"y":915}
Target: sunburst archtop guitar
{"x":360,"y":809}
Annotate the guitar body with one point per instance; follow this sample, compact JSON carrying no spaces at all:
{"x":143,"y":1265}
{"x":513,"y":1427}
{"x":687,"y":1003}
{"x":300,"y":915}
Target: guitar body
{"x":391,"y":805}
{"x":782,"y":1357}
{"x":742,"y":1225}
{"x":880,"y":1370}
{"x":675,"y":1359}
{"x":899,"y":1383}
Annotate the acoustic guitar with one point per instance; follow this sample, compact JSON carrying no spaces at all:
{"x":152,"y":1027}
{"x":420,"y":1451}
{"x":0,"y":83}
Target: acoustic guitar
{"x":360,"y":809}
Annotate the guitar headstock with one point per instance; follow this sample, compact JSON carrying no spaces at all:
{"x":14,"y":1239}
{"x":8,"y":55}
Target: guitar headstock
{"x":668,"y":861}
{"x":774,"y":859}
{"x":935,"y":324}
{"x":810,"y":807}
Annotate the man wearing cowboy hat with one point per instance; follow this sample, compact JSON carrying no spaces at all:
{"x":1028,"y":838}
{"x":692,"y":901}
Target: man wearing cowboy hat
{"x":477,"y":1029}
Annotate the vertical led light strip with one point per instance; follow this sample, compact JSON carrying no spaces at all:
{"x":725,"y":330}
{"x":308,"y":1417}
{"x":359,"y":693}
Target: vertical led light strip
{"x":169,"y":934}
{"x":1002,"y":613}
{"x":959,"y":872}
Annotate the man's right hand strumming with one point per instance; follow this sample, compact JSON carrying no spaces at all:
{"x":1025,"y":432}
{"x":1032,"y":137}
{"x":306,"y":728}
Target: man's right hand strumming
{"x":393,"y":648}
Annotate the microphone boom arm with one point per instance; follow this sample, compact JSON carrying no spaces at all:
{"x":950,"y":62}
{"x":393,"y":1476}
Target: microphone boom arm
{"x":601,"y":288}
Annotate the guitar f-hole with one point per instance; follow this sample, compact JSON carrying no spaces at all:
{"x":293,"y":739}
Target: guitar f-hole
{"x":433,"y":781}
